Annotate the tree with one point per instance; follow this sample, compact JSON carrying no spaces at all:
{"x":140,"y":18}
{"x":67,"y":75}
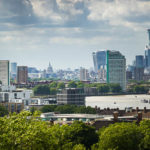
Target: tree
{"x":140,"y":89}
{"x":53,"y":91}
{"x":145,"y":129}
{"x":41,"y":90}
{"x":3,"y":111}
{"x":61,"y":85}
{"x":115,"y":88}
{"x":103,"y":88}
{"x":53,"y":85}
{"x":48,"y":108}
{"x":33,"y":109}
{"x":72,"y":84}
{"x":121,"y":136}
{"x":80,"y":133}
{"x":80,"y":84}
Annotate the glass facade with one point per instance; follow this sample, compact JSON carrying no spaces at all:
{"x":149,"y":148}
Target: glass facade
{"x":139,"y":61}
{"x":111,"y":67}
{"x":117,"y":69}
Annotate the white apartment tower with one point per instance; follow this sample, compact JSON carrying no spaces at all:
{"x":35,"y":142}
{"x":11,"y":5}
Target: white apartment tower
{"x":4,"y":72}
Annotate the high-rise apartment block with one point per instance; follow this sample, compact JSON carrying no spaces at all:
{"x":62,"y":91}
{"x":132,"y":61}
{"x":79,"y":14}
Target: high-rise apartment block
{"x":111,"y":67}
{"x":22,"y":74}
{"x":4,"y":72}
{"x":84,"y":75}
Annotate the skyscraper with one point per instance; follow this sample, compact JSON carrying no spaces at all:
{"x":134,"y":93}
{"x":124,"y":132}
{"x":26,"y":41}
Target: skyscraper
{"x":4,"y":72}
{"x":13,"y":70}
{"x":111,"y":66}
{"x":84,"y":75}
{"x":22,"y":74}
{"x":139,"y":60}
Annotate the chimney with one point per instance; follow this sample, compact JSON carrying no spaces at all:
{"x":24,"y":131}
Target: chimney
{"x":145,"y":110}
{"x":139,"y":116}
{"x":115,"y":116}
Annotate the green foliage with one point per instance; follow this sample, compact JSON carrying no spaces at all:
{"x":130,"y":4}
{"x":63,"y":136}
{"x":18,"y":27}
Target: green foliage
{"x":115,"y":88}
{"x":33,"y":109}
{"x":48,"y":108}
{"x":53,"y":91}
{"x":145,"y":128}
{"x":60,"y":85}
{"x":140,"y":89}
{"x":80,"y":133}
{"x":53,"y":85}
{"x":41,"y":90}
{"x":3,"y":111}
{"x":103,"y":88}
{"x":121,"y":136}
{"x":79,"y":147}
{"x":72,"y":84}
{"x":68,"y":109}
{"x":80,"y":84}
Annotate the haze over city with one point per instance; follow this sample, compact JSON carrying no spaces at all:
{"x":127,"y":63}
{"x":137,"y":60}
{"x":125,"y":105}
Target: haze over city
{"x":66,"y":32}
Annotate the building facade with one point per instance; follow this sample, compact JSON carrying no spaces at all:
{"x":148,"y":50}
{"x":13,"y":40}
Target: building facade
{"x":111,"y":67}
{"x":13,"y":70}
{"x":22,"y":74}
{"x":72,"y":96}
{"x":84,"y":75}
{"x":139,"y":60}
{"x":4,"y":72}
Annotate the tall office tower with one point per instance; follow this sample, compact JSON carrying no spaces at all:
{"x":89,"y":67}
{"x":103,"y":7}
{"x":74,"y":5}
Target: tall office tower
{"x":99,"y":59}
{"x":139,"y":68}
{"x":111,"y":66}
{"x":13,"y":70}
{"x":84,"y":75}
{"x":4,"y":72}
{"x":139,"y":61}
{"x":22,"y":74}
{"x":147,"y":51}
{"x":147,"y":57}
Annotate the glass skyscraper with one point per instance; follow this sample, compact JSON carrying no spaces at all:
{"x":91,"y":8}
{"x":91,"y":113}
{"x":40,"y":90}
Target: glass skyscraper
{"x":111,"y":67}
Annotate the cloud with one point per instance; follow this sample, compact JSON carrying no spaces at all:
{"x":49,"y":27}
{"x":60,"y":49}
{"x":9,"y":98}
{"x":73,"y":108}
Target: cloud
{"x":127,"y":13}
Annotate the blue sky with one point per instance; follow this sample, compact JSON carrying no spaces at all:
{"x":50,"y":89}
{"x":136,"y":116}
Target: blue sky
{"x":66,"y":32}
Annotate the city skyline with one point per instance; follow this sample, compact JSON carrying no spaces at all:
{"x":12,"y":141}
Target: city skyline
{"x":34,"y":32}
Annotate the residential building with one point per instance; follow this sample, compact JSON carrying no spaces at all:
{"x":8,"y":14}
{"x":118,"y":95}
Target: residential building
{"x":71,"y":96}
{"x":4,"y":72}
{"x":22,"y":74}
{"x":111,"y":67}
{"x":138,"y":73}
{"x":84,"y":75}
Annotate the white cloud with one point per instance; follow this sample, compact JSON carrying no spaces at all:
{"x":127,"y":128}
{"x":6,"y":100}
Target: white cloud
{"x":117,"y":12}
{"x":87,"y":41}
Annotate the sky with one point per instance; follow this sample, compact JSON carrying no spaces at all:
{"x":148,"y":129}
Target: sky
{"x":66,"y":32}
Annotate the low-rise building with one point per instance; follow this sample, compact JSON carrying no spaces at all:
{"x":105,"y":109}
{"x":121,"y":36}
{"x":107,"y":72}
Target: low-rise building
{"x":72,"y":96}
